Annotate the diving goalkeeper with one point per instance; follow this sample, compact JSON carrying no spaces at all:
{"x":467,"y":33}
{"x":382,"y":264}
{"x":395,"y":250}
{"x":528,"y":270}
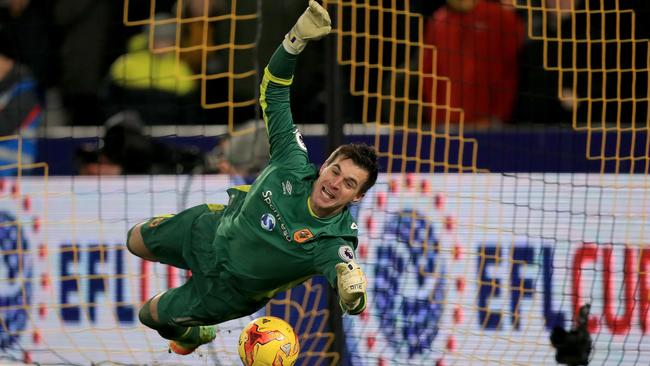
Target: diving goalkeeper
{"x":292,"y":223}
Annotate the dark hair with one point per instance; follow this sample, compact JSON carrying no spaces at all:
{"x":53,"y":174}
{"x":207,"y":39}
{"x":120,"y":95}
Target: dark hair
{"x":363,"y":156}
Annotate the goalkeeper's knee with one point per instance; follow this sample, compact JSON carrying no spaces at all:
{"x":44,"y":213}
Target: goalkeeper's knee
{"x":135,"y":243}
{"x":145,"y":315}
{"x":167,"y":331}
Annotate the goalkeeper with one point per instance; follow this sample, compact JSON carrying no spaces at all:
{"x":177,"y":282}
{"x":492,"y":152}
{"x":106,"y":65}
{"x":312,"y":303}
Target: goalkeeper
{"x":292,"y":223}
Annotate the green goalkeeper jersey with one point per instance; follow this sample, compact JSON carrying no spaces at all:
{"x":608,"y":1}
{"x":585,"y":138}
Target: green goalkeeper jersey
{"x":268,"y":239}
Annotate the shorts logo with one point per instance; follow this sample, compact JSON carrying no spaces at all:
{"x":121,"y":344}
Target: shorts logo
{"x":346,"y":253}
{"x":267,"y":222}
{"x":302,"y":235}
{"x":186,"y":321}
{"x":156,"y":221}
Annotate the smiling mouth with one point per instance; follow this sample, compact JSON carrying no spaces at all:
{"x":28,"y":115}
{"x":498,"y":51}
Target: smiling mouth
{"x":327,"y":193}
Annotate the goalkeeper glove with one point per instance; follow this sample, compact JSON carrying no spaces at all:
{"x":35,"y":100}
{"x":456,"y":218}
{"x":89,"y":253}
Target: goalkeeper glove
{"x":313,"y":24}
{"x":351,"y":284}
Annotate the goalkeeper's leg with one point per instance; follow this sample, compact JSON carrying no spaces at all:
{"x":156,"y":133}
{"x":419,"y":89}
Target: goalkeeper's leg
{"x":135,"y":243}
{"x":162,"y":238}
{"x":184,"y":338}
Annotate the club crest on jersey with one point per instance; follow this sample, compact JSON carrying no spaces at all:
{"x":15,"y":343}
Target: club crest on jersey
{"x":302,"y":235}
{"x":267,"y":222}
{"x":346,"y":253}
{"x":299,"y":140}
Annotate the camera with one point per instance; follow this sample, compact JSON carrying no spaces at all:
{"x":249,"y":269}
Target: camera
{"x":573,"y":347}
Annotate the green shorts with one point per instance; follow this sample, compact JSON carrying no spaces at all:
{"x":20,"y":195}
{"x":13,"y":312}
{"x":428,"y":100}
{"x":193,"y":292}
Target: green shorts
{"x":170,"y":237}
{"x":186,"y":240}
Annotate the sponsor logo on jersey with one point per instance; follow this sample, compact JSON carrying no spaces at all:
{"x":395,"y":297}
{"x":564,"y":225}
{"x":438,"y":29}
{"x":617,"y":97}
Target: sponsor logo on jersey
{"x":346,"y":253}
{"x":267,"y":222}
{"x":302,"y":235}
{"x":287,"y":188}
{"x":267,"y":197}
{"x":354,"y":226}
{"x":299,"y":140}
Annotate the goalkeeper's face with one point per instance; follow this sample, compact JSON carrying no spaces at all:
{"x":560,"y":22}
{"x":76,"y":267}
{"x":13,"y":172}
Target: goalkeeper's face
{"x":339,"y":183}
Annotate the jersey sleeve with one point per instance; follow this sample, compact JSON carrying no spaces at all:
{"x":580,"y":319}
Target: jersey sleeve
{"x":285,"y":140}
{"x":328,"y":255}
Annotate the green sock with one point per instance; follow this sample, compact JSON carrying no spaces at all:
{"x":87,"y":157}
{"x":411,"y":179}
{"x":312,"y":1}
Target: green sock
{"x":169,"y":331}
{"x":192,"y":335}
{"x":177,"y":333}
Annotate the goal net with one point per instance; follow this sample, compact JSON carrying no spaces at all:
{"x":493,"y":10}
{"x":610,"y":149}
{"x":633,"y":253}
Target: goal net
{"x":480,"y":236}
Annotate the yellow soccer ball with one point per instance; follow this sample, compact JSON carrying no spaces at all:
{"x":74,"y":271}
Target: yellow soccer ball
{"x":268,"y":341}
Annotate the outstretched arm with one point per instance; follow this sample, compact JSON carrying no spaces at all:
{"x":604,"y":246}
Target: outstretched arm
{"x":284,"y":139}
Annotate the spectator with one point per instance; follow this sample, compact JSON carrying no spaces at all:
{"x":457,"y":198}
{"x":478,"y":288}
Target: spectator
{"x":242,"y":156}
{"x":85,"y":26}
{"x":25,"y":30}
{"x":477,"y":44}
{"x":197,"y":34}
{"x":152,"y":81}
{"x":400,"y":80}
{"x":20,"y":114}
{"x":577,"y":82}
{"x":224,"y":65}
{"x":91,"y":161}
{"x":125,"y":149}
{"x":255,"y":40}
{"x":538,"y":97}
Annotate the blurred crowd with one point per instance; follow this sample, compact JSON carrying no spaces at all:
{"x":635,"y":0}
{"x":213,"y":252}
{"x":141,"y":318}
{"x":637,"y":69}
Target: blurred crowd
{"x":75,"y":63}
{"x":89,"y":65}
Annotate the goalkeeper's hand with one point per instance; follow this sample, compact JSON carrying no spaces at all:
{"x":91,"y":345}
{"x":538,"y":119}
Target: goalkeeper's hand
{"x":351,"y":284}
{"x":313,"y":24}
